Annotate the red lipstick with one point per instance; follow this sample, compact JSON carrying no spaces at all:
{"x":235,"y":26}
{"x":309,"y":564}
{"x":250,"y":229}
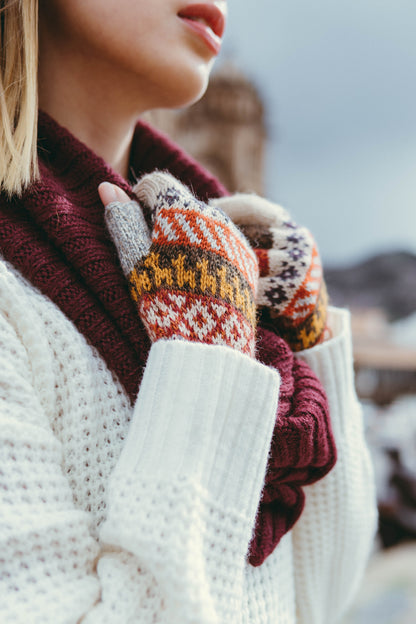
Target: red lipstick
{"x":207,"y":21}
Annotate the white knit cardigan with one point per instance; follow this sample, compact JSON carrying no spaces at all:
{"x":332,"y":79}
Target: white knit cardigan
{"x":117,"y":514}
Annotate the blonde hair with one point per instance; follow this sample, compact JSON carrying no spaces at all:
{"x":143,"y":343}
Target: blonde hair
{"x":18,"y":94}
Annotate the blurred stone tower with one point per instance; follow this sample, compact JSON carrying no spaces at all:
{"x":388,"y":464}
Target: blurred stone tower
{"x":224,"y":131}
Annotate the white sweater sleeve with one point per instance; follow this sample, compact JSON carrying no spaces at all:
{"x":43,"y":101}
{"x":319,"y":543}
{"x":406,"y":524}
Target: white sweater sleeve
{"x":333,"y":538}
{"x":181,"y":501}
{"x":191,"y":473}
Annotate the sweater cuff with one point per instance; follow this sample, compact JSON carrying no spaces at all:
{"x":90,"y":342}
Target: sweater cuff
{"x":332,"y":362}
{"x":204,"y":413}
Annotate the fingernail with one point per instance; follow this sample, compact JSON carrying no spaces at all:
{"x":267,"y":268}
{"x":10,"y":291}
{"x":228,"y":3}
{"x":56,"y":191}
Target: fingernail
{"x":120,"y":194}
{"x":110,"y":192}
{"x":107,"y":192}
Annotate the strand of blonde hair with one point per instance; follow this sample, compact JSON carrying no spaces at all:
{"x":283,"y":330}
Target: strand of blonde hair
{"x":18,"y":94}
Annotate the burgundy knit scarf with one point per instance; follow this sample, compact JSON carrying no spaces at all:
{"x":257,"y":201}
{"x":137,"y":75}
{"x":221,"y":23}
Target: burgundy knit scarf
{"x":55,"y":235}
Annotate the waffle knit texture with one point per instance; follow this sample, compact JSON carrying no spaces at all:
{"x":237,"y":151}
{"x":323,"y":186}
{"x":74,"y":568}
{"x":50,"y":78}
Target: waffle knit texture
{"x":113,"y":513}
{"x":117,"y":509}
{"x":197,"y":278}
{"x":57,"y":237}
{"x":292,"y":296}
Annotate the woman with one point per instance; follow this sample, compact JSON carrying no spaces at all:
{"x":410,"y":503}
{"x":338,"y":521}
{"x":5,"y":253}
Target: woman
{"x":125,"y":508}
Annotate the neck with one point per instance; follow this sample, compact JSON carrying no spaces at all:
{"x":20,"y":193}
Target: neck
{"x":109,"y":137}
{"x":82,"y":99}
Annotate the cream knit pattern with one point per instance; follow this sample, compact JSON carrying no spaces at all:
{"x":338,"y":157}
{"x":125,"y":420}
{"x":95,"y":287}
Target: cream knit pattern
{"x":112,"y":513}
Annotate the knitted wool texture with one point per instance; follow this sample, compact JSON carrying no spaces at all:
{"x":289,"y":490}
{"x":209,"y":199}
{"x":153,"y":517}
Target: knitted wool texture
{"x":292,"y":296}
{"x":56,"y":236}
{"x":195,"y":278}
{"x":171,"y":548}
{"x":302,"y":451}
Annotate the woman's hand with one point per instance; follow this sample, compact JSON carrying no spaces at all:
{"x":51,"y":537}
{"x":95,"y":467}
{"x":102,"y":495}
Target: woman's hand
{"x":292,"y":297}
{"x":195,"y":276}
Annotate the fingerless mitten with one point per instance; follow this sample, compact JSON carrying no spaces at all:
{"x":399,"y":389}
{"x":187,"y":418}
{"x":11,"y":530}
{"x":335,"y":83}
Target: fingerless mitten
{"x":195,"y":276}
{"x":292,"y":296}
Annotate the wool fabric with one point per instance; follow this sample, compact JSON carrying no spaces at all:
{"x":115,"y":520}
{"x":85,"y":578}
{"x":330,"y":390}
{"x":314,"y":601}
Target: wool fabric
{"x":302,"y":448}
{"x":292,"y":296}
{"x":118,"y":514}
{"x":197,"y":278}
{"x":56,"y":236}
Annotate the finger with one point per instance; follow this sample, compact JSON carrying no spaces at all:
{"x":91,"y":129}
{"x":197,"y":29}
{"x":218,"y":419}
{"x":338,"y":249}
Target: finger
{"x":128,"y":229}
{"x":110,"y":193}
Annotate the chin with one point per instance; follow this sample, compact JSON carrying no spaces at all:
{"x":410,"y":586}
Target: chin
{"x":193,"y":96}
{"x":185,"y":88}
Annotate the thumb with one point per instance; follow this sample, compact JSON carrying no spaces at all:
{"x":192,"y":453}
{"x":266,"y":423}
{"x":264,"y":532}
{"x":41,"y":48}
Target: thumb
{"x":110,"y":193}
{"x":126,"y":224}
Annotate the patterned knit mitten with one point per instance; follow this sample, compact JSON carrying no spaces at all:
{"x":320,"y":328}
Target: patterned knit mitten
{"x":292,"y":297}
{"x":195,"y":277}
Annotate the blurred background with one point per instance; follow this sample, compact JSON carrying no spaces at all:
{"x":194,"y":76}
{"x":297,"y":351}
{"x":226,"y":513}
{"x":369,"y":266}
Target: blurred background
{"x":338,"y":80}
{"x":313,"y":105}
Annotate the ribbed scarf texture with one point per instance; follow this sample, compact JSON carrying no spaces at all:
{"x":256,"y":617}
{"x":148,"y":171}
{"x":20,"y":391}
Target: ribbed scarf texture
{"x":56,"y":236}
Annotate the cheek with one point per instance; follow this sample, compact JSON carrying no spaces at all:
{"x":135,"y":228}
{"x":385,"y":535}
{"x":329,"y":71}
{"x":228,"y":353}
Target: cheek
{"x":94,"y":24}
{"x":172,"y":66}
{"x":139,"y":47}
{"x":163,"y":63}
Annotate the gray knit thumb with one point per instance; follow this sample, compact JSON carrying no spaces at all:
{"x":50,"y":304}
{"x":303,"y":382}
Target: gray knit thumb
{"x":129,"y":231}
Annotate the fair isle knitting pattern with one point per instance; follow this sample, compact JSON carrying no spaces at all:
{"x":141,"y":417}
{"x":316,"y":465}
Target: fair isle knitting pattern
{"x":196,"y":277}
{"x":302,"y":320}
{"x":292,"y":297}
{"x":198,"y":319}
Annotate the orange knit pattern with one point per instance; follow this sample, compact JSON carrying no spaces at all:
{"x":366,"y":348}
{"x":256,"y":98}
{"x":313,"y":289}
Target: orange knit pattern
{"x":196,"y":278}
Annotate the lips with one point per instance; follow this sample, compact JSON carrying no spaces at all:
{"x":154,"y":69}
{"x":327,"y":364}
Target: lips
{"x":207,"y":21}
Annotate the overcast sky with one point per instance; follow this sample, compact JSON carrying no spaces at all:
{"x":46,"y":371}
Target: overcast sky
{"x":339,"y":82}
